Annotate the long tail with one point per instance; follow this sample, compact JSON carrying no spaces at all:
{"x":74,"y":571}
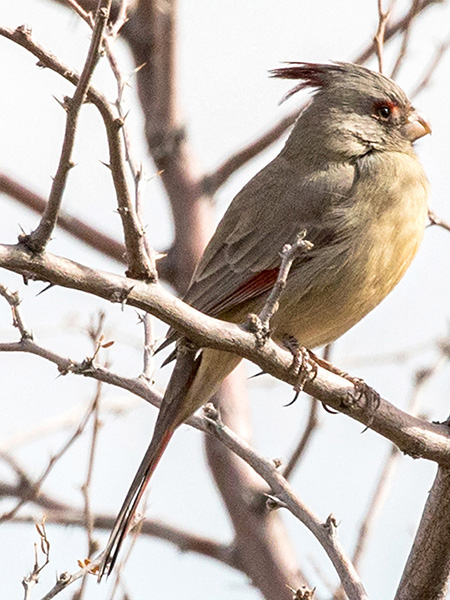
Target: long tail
{"x":172,"y":413}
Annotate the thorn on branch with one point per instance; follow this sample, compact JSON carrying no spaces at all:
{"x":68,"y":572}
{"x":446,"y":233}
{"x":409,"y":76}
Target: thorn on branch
{"x":302,"y":593}
{"x":212,"y":415}
{"x":274,"y":503}
{"x":331,"y":525}
{"x":30,"y":580}
{"x":120,"y":296}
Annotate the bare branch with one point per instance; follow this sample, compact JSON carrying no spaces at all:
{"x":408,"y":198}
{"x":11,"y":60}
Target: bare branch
{"x":185,"y":541}
{"x":30,"y":580}
{"x":73,"y":225}
{"x":435,"y":220}
{"x":138,"y":261}
{"x":310,"y":427}
{"x":427,"y":570}
{"x":392,"y":30}
{"x":406,"y":37}
{"x":435,"y":61}
{"x":379,"y":36}
{"x":288,"y":255}
{"x":413,"y":436}
{"x":325,"y":533}
{"x":38,"y":239}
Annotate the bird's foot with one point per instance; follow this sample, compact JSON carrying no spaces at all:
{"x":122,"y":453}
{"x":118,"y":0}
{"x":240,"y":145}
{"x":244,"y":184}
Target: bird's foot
{"x":363,"y":391}
{"x":303,"y":363}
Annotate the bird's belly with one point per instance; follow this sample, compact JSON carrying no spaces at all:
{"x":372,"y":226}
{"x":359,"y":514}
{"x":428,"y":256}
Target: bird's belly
{"x":372,"y":267}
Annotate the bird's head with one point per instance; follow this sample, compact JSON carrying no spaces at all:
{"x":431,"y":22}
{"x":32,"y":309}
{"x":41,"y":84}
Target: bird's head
{"x":354,"y":110}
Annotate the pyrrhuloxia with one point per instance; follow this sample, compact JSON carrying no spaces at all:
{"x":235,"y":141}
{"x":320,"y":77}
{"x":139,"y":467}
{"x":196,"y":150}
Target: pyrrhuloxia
{"x":349,"y":176}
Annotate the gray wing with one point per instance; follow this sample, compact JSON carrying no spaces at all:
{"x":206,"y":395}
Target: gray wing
{"x":278,"y":203}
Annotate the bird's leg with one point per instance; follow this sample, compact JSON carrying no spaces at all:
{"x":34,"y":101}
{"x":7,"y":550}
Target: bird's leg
{"x":362,"y":389}
{"x":303,"y":362}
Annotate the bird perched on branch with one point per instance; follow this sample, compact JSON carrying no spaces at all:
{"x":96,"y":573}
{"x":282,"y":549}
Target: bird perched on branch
{"x":348,"y":175}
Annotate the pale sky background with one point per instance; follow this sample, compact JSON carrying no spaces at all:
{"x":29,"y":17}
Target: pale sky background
{"x":225,"y":51}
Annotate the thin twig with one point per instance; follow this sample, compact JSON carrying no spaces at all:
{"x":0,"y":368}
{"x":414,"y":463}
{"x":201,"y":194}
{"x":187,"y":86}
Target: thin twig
{"x":38,"y":239}
{"x":68,"y":516}
{"x":392,"y":30}
{"x":149,"y":348}
{"x":325,"y":533}
{"x":435,"y":220}
{"x":86,"y":487}
{"x":380,"y":34}
{"x":288,"y":254}
{"x":406,"y":37}
{"x":73,"y":225}
{"x":432,"y":443}
{"x":30,"y":580}
{"x":13,"y":300}
{"x":65,"y":579}
{"x":139,"y":266}
{"x":310,"y":427}
{"x":439,"y":54}
{"x":136,"y":172}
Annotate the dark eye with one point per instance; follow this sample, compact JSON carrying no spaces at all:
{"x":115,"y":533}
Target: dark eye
{"x":384,"y":112}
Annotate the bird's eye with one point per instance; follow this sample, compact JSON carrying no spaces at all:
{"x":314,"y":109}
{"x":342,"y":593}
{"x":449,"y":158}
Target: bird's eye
{"x":384,"y":112}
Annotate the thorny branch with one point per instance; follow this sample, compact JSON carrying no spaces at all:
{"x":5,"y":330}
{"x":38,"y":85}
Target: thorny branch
{"x":30,"y":580}
{"x":139,"y":265}
{"x":28,"y":344}
{"x":433,"y":441}
{"x":38,"y":239}
{"x":288,"y":254}
{"x":325,"y":533}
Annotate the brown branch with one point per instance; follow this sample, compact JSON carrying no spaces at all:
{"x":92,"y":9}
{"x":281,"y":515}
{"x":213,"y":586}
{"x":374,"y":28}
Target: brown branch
{"x":427,"y":570}
{"x":392,"y":30}
{"x":73,"y":225}
{"x":310,"y":427}
{"x":183,"y":540}
{"x":383,"y":17}
{"x":38,"y":239}
{"x":137,"y":259}
{"x":413,"y":436}
{"x":211,"y":182}
{"x":151,"y":35}
{"x":260,"y":536}
{"x":435,"y":61}
{"x":136,"y":171}
{"x":413,"y":11}
{"x":325,"y":533}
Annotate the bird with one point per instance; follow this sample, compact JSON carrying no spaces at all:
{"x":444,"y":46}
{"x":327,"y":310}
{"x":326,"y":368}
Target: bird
{"x":349,"y":176}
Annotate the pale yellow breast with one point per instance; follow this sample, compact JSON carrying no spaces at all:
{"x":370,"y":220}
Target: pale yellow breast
{"x":386,"y":220}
